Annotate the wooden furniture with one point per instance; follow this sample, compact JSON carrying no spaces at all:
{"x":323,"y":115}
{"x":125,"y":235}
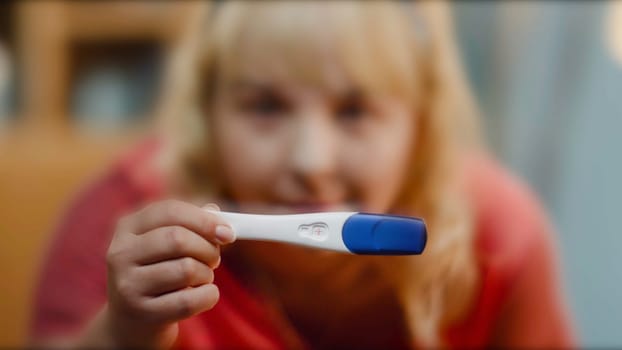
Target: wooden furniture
{"x":44,"y":156}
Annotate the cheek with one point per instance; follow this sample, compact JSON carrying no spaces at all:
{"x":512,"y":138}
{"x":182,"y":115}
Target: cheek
{"x":378,"y":163}
{"x":249,"y":161}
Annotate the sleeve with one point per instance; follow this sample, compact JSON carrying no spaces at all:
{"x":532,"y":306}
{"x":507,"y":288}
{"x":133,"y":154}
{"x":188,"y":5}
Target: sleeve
{"x":72,"y":283}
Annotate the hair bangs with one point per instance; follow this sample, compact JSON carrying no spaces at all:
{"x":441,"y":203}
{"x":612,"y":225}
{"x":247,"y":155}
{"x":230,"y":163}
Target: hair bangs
{"x":321,"y":44}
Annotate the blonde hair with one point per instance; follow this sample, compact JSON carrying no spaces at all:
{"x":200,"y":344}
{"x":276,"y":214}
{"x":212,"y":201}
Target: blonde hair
{"x":409,"y":51}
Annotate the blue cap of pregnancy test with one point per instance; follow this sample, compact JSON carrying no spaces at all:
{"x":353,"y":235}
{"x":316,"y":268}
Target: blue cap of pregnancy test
{"x":379,"y":234}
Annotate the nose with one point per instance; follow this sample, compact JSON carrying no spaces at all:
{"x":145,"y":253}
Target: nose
{"x":314,"y":151}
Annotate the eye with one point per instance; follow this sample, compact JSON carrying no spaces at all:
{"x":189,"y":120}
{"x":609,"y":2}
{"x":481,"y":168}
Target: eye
{"x":351,"y":109}
{"x":264,"y":105}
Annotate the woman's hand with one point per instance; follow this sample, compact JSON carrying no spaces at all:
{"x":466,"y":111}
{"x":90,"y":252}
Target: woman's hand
{"x":161,"y":265}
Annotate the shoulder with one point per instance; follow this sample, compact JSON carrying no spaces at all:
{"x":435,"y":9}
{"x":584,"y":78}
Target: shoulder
{"x":519,"y":299}
{"x":72,"y":277}
{"x":509,"y":219}
{"x":128,"y":182}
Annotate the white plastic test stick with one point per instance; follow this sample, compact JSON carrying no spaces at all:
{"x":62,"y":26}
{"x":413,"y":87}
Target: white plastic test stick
{"x":352,"y":232}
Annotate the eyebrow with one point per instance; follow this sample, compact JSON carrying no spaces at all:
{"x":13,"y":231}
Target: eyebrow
{"x":250,"y":85}
{"x":258,"y":85}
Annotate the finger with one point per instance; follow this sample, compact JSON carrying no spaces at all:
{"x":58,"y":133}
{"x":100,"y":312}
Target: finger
{"x":172,"y":242}
{"x":172,"y":275}
{"x":182,"y":304}
{"x":177,"y":213}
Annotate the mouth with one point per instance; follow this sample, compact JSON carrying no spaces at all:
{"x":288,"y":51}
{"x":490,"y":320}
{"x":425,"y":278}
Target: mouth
{"x":317,"y":207}
{"x":297,"y":207}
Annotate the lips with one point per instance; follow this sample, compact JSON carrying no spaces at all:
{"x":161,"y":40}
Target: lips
{"x":309,"y":207}
{"x":297,"y":207}
{"x":315,"y":207}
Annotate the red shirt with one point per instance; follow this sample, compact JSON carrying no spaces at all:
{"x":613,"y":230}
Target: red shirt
{"x":518,"y":302}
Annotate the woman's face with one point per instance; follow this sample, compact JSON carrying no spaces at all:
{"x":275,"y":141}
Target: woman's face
{"x":298,"y":147}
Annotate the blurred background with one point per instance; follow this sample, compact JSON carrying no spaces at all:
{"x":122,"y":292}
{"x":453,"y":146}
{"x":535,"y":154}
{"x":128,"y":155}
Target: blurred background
{"x":79,"y":82}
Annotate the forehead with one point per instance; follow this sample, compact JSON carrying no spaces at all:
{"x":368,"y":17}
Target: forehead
{"x":286,"y":45}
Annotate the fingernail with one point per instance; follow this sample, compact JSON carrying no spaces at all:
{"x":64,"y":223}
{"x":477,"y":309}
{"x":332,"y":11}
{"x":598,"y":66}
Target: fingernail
{"x":217,"y":263}
{"x":198,"y":201}
{"x":224,"y":233}
{"x":212,"y":206}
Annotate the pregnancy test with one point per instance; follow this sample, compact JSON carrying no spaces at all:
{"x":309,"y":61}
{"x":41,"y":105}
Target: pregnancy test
{"x":352,"y":232}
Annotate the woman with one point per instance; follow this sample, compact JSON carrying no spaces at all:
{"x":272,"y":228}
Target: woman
{"x":309,"y":107}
